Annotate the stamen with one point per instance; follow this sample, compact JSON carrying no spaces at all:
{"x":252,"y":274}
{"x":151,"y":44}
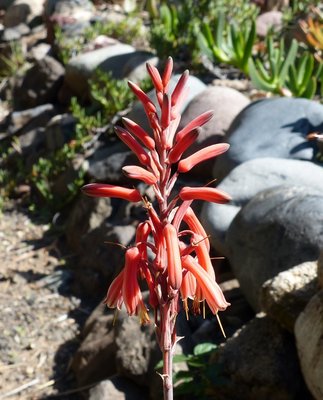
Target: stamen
{"x":221,"y":327}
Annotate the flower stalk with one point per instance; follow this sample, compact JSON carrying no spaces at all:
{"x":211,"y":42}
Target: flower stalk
{"x":177,"y":265}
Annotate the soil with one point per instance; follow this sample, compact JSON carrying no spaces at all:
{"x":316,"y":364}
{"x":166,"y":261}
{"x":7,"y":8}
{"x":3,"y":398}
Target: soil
{"x":40,"y":319}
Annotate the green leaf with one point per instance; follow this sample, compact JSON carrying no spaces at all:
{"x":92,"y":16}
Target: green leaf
{"x":257,"y":80}
{"x":311,"y":89}
{"x":219,"y":34}
{"x":204,"y":348}
{"x":290,"y":58}
{"x":248,"y":47}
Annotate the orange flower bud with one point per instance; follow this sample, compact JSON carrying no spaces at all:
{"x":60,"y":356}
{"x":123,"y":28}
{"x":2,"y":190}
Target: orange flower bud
{"x":155,"y":77}
{"x":106,"y":190}
{"x":210,"y":289}
{"x":130,"y":289}
{"x":135,"y":172}
{"x":165,"y":112}
{"x":132,"y":143}
{"x":195,"y":123}
{"x":195,"y":225}
{"x":140,"y":133}
{"x":182,"y":145}
{"x":204,"y":193}
{"x":208,"y":152}
{"x":145,"y":100}
{"x":114,"y":296}
{"x":173,"y":256}
{"x":167,"y":72}
{"x":179,"y":87}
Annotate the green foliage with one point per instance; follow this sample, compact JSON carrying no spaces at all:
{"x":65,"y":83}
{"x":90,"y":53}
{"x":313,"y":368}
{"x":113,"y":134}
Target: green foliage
{"x":127,"y":31}
{"x":302,"y":79}
{"x":11,"y":64}
{"x":229,"y":43}
{"x":271,"y":74}
{"x":202,"y":376}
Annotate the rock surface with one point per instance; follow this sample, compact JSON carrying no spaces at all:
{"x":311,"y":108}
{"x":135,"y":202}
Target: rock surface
{"x":117,"y":388}
{"x":39,"y":85}
{"x":248,"y":179}
{"x":108,"y":59}
{"x":269,"y":235}
{"x":275,"y":375}
{"x":226,"y":103}
{"x":309,"y":334}
{"x":320,"y":269}
{"x":285,"y":296}
{"x":271,"y":128}
{"x":270,"y":20}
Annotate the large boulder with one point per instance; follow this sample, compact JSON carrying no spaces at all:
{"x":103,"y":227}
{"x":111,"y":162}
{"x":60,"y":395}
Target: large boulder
{"x":39,"y":85}
{"x":272,"y":128}
{"x":226,"y":103}
{"x":278,"y":229}
{"x":258,"y":362}
{"x":117,"y":388}
{"x":248,"y":179}
{"x":22,"y":11}
{"x":108,"y":59}
{"x":285,"y":296}
{"x":309,"y":334}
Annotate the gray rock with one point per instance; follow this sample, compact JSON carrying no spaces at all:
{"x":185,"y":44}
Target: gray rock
{"x":4,"y":4}
{"x":285,"y":296}
{"x":95,"y":358}
{"x":15,"y":33}
{"x":91,"y":224}
{"x":195,"y":85}
{"x":108,"y":59}
{"x":248,"y":179}
{"x":106,"y":163}
{"x":309,"y":333}
{"x":39,"y":85}
{"x":258,"y":362}
{"x":135,"y":68}
{"x":72,"y":8}
{"x":137,"y":350}
{"x":270,"y":20}
{"x":271,"y":128}
{"x":23,"y":121}
{"x":59,"y":131}
{"x":22,"y":11}
{"x":117,"y":388}
{"x":226,"y":103}
{"x":270,"y":235}
{"x":320,"y":269}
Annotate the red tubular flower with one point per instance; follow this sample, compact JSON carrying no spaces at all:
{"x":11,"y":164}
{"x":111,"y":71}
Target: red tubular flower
{"x":173,"y":256}
{"x":195,"y":123}
{"x":106,"y":190}
{"x":135,"y":172}
{"x":140,"y":133}
{"x":195,"y":225}
{"x":114,"y":296}
{"x":182,"y":145}
{"x":210,"y":289}
{"x":179,"y":87}
{"x":130,"y":288}
{"x":145,"y":100}
{"x":167,"y":72}
{"x":155,"y":77}
{"x":188,"y":163}
{"x":204,"y":193}
{"x":165,"y":112}
{"x":131,"y":142}
{"x":203,"y":256}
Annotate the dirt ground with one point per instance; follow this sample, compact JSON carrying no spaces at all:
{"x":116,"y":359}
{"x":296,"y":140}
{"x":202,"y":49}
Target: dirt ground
{"x":40,"y":320}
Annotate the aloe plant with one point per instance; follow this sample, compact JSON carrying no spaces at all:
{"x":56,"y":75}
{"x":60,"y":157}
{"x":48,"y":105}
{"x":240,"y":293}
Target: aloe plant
{"x":272,"y":75}
{"x":229,"y":44}
{"x":303,"y":78}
